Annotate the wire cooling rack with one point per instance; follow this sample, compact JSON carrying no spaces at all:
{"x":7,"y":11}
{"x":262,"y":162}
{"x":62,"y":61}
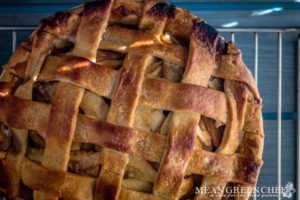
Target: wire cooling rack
{"x":280,"y":32}
{"x":256,"y":32}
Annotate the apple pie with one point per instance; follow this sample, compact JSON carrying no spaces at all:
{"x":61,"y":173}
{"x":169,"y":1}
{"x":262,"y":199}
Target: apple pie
{"x":132,"y":100}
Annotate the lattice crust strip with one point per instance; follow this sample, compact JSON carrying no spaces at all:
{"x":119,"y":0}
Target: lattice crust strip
{"x":127,"y":100}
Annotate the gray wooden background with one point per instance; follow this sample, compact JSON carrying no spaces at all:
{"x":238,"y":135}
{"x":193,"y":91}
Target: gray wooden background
{"x":217,"y":13}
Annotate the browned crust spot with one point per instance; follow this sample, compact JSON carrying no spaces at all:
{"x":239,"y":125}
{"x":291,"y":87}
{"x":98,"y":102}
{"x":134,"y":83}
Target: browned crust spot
{"x":109,"y":192}
{"x":121,"y":135}
{"x":251,"y":168}
{"x":123,"y":11}
{"x":95,"y":7}
{"x":184,"y":146}
{"x":253,"y":143}
{"x":221,"y":46}
{"x":159,"y":10}
{"x":206,"y":35}
{"x":172,"y":11}
{"x":58,"y":18}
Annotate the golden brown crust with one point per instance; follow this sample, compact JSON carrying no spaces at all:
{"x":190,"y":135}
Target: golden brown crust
{"x":81,"y":72}
{"x":252,"y":143}
{"x":237,"y":95}
{"x":232,"y":67}
{"x":181,"y":137}
{"x":90,"y":130}
{"x":60,"y":131}
{"x":92,"y":25}
{"x":67,"y":185}
{"x":61,"y":126}
{"x":16,"y":112}
{"x":86,"y":74}
{"x":184,"y":97}
{"x":122,"y":111}
{"x":56,"y":182}
{"x":62,"y":24}
{"x":19,"y":56}
{"x":179,"y":22}
{"x":228,"y":168}
{"x":108,"y":184}
{"x":71,"y":183}
{"x":97,"y":107}
{"x":130,"y":80}
{"x":253,"y":119}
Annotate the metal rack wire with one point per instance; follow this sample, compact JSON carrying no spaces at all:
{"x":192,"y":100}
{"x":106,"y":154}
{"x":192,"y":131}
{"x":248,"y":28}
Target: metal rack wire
{"x":280,"y":32}
{"x":256,"y":32}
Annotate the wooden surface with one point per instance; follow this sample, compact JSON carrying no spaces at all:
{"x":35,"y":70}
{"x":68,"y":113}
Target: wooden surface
{"x":267,"y":74}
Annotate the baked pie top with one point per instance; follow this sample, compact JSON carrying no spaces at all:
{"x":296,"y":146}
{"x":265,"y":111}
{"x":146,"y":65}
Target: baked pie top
{"x":128,"y":100}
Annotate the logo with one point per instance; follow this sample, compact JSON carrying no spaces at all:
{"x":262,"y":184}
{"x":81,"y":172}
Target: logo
{"x":260,"y":191}
{"x":288,"y":190}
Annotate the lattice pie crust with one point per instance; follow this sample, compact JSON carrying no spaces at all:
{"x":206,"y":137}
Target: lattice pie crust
{"x":126,"y":100}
